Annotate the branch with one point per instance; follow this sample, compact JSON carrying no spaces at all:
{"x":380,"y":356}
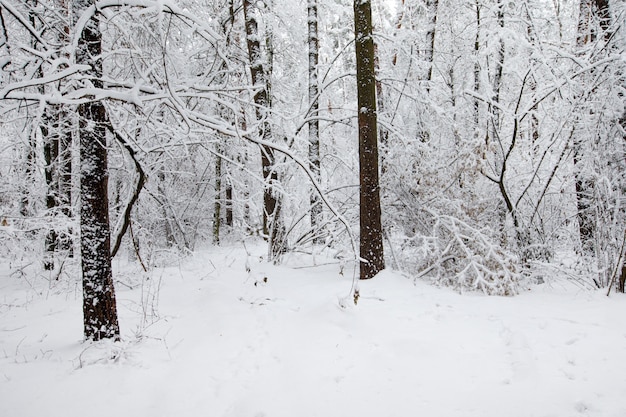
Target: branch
{"x":140,"y":183}
{"x":23,"y":21}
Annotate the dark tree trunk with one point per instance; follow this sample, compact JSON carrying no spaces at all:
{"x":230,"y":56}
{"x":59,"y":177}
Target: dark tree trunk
{"x":217,"y":209}
{"x":50,"y":155}
{"x":272,"y":224}
{"x":229,"y":203}
{"x":56,"y":131}
{"x":65,"y":178}
{"x":621,"y":282}
{"x":30,"y":148}
{"x":99,"y":305}
{"x":371,"y":237}
{"x":477,"y":70}
{"x":57,"y":138}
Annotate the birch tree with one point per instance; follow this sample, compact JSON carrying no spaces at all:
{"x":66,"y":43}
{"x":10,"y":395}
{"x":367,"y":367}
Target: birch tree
{"x":313,"y":114}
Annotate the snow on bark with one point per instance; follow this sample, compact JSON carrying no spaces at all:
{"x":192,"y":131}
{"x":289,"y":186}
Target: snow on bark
{"x":259,"y":72}
{"x":99,"y":304}
{"x":314,"y":134}
{"x":371,"y":238}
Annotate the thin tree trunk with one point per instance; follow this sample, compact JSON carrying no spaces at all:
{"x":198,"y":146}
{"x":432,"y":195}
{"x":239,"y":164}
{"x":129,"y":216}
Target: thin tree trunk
{"x":534,"y":121}
{"x":232,"y":36}
{"x":99,"y":304}
{"x":497,"y":77}
{"x":57,"y":142}
{"x":65,"y":178}
{"x":432,"y":7}
{"x":25,"y":203}
{"x":49,"y":129}
{"x":621,"y":283}
{"x":50,"y":156}
{"x":314,"y":126}
{"x":228,"y":197}
{"x":477,"y":70}
{"x":218,"y":197}
{"x":371,"y":236}
{"x":383,"y":133}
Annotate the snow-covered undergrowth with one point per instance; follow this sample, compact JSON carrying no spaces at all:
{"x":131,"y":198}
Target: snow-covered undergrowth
{"x":205,"y":337}
{"x":457,"y":255}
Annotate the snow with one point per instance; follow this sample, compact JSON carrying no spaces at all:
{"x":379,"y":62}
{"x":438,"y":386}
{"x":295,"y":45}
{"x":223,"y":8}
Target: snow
{"x":205,"y":337}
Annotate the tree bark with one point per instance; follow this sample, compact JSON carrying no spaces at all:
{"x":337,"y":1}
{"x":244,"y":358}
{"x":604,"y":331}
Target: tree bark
{"x":621,"y":283}
{"x":432,"y":7}
{"x":497,"y":77}
{"x":31,"y":145}
{"x":56,"y":131}
{"x":50,"y":156}
{"x":477,"y":70}
{"x":99,"y":304}
{"x":229,"y":203}
{"x":272,"y":224}
{"x":371,"y":236}
{"x":314,"y":125}
{"x":217,"y":209}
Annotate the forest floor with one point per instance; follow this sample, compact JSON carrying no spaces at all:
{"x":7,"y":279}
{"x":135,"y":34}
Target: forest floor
{"x":203,"y":336}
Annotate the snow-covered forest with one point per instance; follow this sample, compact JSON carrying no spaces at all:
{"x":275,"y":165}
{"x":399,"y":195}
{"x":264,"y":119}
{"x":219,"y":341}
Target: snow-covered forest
{"x":277,"y":154}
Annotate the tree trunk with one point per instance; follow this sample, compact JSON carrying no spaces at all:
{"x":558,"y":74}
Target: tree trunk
{"x":56,"y":131}
{"x":31,"y":143}
{"x":99,"y":304}
{"x":50,"y":155}
{"x":218,"y":196}
{"x":229,"y":203}
{"x":65,"y":178}
{"x":591,"y":11}
{"x":383,"y":133}
{"x":314,"y":131}
{"x":272,"y":224}
{"x":371,"y":236}
{"x":621,"y":283}
{"x":477,"y":71}
{"x":432,"y":7}
{"x":57,"y":148}
{"x":497,"y":77}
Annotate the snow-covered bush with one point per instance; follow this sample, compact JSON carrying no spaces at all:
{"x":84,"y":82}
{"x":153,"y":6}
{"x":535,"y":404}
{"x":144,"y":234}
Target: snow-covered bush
{"x":456,"y":254}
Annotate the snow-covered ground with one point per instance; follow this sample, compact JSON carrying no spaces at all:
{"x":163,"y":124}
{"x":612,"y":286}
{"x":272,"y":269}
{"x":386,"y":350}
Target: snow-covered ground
{"x":205,"y":337}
